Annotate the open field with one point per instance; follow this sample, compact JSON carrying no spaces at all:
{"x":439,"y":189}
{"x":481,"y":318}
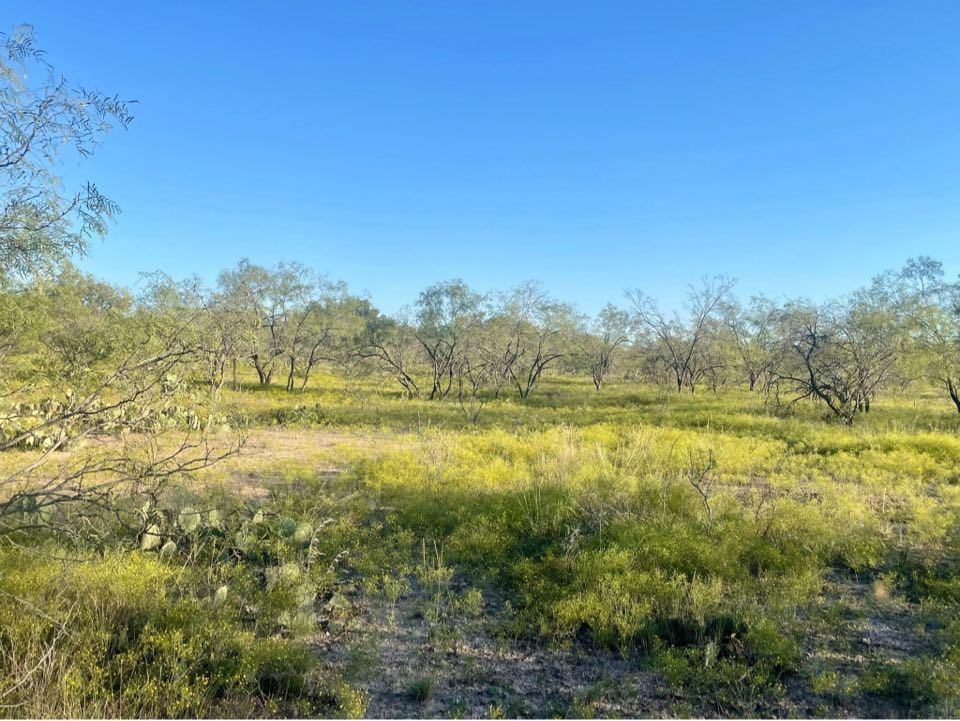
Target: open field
{"x":623,"y":553}
{"x":479,"y":360}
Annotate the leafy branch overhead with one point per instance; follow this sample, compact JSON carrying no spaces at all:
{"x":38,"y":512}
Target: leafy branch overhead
{"x":43,"y":121}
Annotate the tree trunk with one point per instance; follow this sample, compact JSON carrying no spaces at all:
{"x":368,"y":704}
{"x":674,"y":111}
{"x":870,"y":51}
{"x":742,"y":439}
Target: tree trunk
{"x":954,"y":395}
{"x":262,"y":373}
{"x":293,"y":365}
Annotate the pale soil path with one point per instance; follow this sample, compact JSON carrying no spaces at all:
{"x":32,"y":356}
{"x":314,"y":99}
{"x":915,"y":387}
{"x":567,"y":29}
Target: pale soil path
{"x":275,"y":455}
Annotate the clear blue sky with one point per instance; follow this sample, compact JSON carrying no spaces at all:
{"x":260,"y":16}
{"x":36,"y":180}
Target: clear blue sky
{"x":799,"y":146}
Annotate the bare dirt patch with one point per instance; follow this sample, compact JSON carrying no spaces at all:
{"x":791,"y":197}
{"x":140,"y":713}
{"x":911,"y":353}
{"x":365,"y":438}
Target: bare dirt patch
{"x":411,"y":669}
{"x":863,"y":626}
{"x":279,"y":455}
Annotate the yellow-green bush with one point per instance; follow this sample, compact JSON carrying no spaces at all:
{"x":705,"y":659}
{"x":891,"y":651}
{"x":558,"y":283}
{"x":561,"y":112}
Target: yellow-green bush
{"x":124,"y":636}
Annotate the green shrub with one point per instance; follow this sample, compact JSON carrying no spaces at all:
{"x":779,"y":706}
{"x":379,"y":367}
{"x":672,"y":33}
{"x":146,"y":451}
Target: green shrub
{"x":121,"y":638}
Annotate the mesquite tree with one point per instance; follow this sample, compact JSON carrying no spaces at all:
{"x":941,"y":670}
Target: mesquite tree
{"x":248,"y":291}
{"x":929,"y":305}
{"x":43,"y":118}
{"x":754,"y":330}
{"x":390,"y":345}
{"x":602,"y":342}
{"x":842,"y":354}
{"x":448,"y":314}
{"x":681,"y":342}
{"x":538,"y":334}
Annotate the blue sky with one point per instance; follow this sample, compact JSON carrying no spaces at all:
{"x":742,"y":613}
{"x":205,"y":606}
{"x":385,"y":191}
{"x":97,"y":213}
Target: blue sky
{"x":800,"y":147}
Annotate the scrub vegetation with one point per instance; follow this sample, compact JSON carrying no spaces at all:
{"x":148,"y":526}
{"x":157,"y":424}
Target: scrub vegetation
{"x":268,"y":498}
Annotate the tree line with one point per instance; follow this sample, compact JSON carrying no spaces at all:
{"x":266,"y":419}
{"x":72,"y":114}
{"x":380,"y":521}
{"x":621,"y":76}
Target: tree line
{"x":900,"y":331}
